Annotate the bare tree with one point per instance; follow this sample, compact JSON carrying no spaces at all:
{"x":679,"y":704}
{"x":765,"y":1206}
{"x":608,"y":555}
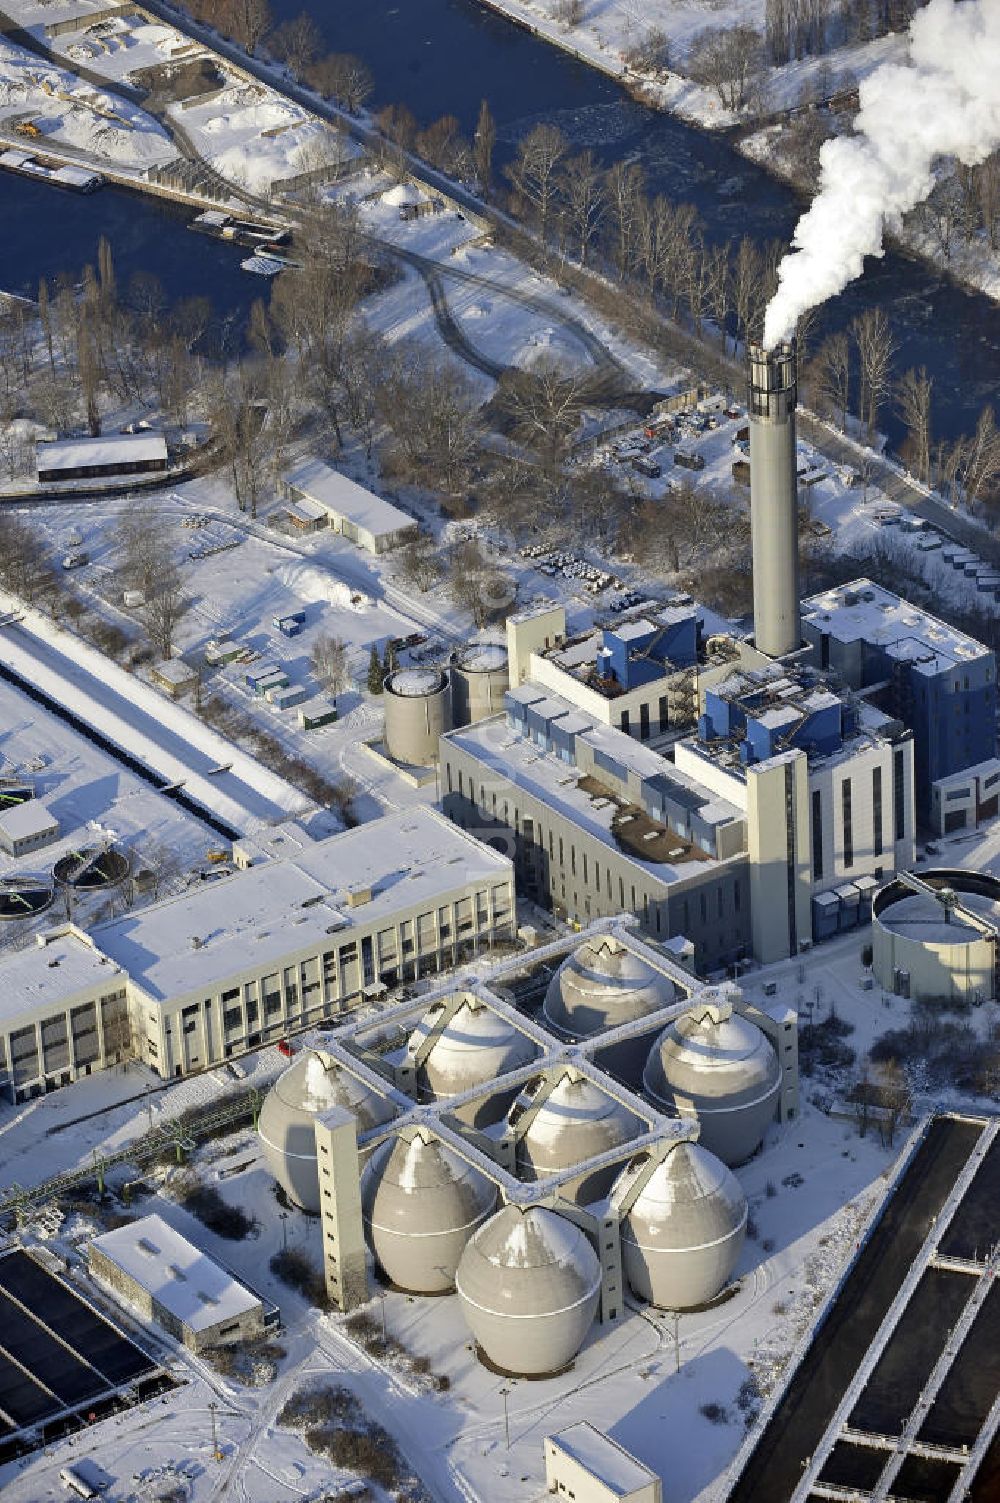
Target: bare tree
{"x":978,"y":467}
{"x":22,"y":558}
{"x":344,"y":78}
{"x":875,"y":345}
{"x":543,"y":406}
{"x":625,"y":197}
{"x":248,"y":21}
{"x":330,"y":662}
{"x":729,"y":61}
{"x":534,"y":171}
{"x":296,"y":42}
{"x":419,"y":563}
{"x":913,"y":401}
{"x":833,"y":375}
{"x":582,"y":185}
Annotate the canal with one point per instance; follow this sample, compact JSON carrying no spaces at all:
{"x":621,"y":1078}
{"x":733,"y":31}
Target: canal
{"x":444,"y":56}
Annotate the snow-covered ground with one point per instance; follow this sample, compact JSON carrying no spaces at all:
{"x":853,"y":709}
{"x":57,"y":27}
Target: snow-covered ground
{"x":67,"y":112}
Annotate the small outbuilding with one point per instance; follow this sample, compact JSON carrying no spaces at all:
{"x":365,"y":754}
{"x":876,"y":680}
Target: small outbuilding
{"x":174,"y":677}
{"x":26,"y":827}
{"x":366,"y":519}
{"x":94,"y":458}
{"x":582,"y":1462}
{"x":165,"y":1278}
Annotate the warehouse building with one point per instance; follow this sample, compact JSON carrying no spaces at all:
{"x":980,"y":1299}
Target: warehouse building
{"x":25,"y":827}
{"x":584,"y":1464}
{"x":166,"y":1279}
{"x":187,"y":982}
{"x":95,"y":458}
{"x":321,"y":495}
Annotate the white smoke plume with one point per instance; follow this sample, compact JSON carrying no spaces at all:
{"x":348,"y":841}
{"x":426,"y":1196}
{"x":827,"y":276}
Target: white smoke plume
{"x":943,"y":100}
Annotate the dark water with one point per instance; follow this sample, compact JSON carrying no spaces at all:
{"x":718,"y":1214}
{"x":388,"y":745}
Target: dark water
{"x":445,"y":56}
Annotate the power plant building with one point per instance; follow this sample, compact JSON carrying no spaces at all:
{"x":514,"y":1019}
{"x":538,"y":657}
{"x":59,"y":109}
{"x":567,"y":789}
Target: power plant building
{"x":941,"y":683}
{"x":189,"y":981}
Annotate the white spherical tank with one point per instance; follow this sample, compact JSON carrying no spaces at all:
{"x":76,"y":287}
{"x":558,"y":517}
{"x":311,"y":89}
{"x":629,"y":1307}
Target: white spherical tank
{"x":576,"y":1121}
{"x":311,"y":1085}
{"x":529,"y":1283}
{"x":682,"y":1235}
{"x":417,"y":703}
{"x":474,"y":1047}
{"x":421,"y":1203}
{"x":601,"y":985}
{"x":480,"y":678}
{"x":717,"y":1066}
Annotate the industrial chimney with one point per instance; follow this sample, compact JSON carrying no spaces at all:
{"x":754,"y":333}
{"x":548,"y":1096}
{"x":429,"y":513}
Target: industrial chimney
{"x":773,"y":499}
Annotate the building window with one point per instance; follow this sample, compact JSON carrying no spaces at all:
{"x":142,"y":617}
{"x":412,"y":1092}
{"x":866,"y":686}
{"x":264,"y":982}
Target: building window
{"x":817,"y":834}
{"x":644,"y":722}
{"x":845,"y":793}
{"x":625,"y":722}
{"x":877,"y":810}
{"x":663,"y":712}
{"x":899,"y":792}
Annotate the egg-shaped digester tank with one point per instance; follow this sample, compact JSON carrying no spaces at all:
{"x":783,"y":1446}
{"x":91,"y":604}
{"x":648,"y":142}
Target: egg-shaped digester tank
{"x":714,"y":1064}
{"x":576,"y":1121}
{"x":473,"y":1047}
{"x":529,"y":1283}
{"x":421,"y":1202}
{"x":683,"y":1232}
{"x":311,"y":1085}
{"x":600,"y":985}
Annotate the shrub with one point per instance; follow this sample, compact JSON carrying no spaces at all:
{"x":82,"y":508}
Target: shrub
{"x":205,"y":1202}
{"x":716,"y":1414}
{"x":293,"y":1268}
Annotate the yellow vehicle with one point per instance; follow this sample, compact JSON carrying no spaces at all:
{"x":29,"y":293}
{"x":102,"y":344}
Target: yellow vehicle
{"x":27,"y":128}
{"x":217,"y":856}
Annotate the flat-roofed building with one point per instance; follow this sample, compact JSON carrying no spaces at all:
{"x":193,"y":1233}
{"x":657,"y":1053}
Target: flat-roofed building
{"x":584,"y":1464}
{"x":366,"y":519}
{"x":165,"y":1278}
{"x":286,"y":944}
{"x":25,"y":827}
{"x":93,"y":458}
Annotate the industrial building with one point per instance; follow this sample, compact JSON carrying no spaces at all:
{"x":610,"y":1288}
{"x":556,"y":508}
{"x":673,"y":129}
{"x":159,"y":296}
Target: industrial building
{"x":937,"y":681}
{"x":936,"y":936}
{"x":784,"y":788}
{"x":477,"y":1150}
{"x":26,"y":827}
{"x":582,"y":1462}
{"x":189,"y":981}
{"x":96,"y":458}
{"x":166,"y":1279}
{"x":322,"y":495}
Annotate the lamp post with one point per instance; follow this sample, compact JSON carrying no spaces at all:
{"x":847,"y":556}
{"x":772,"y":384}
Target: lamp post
{"x":506,"y":1416}
{"x":284,"y":1230}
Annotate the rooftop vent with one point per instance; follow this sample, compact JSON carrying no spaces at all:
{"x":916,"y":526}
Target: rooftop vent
{"x":149,"y":1248}
{"x":359,"y":894}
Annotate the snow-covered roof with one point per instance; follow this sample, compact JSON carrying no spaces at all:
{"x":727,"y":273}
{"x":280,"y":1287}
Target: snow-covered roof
{"x":174,"y":671}
{"x":27,"y":819}
{"x":116,"y":448}
{"x":403,"y":193}
{"x":307,"y":509}
{"x":258,"y":916}
{"x":181,"y":1278}
{"x":59,"y":966}
{"x":316,"y":481}
{"x":864,"y":611}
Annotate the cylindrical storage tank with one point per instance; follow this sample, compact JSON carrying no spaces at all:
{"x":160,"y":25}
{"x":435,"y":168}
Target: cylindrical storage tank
{"x":480,"y":678}
{"x":529,"y":1283}
{"x":311,"y":1085}
{"x":421,"y":1203}
{"x":474,"y":1047}
{"x":417,"y":705}
{"x":717,"y":1066}
{"x":576,"y":1121}
{"x":682,"y":1236}
{"x":943,"y":942}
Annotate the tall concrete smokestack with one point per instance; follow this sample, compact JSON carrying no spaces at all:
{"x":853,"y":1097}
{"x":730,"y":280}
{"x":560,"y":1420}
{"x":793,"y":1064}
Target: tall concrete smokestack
{"x":774,"y":511}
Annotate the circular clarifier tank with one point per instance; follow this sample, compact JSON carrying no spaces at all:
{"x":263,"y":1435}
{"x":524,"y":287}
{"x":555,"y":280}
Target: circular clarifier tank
{"x":683,"y":1232}
{"x":421,"y":1203}
{"x":529,"y":1284}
